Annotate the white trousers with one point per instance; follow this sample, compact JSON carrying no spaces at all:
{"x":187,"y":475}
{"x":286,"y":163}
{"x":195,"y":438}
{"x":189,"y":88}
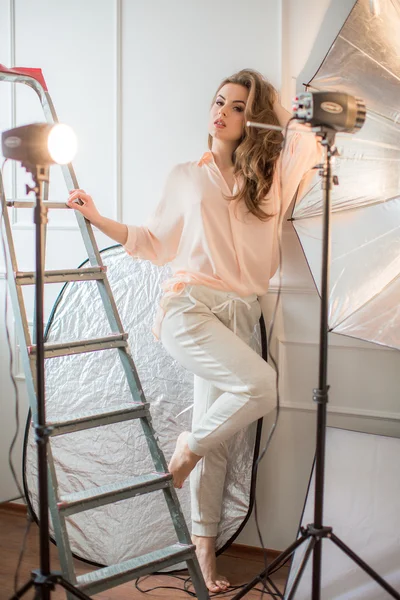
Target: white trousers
{"x":208,"y":332}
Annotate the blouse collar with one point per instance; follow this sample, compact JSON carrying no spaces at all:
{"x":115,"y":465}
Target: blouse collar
{"x":208,"y":158}
{"x":205,"y":159}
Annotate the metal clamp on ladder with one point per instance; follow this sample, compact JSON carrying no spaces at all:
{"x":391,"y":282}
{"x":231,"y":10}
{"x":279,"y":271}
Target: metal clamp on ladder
{"x":160,"y":479}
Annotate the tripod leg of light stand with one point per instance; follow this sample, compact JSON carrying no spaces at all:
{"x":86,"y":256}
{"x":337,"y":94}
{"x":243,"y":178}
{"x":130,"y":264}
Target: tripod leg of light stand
{"x":270,"y":589}
{"x":364,"y":566}
{"x":25,"y":588}
{"x":275,"y":589}
{"x":52,"y":579}
{"x":275,"y":563}
{"x":313,"y":542}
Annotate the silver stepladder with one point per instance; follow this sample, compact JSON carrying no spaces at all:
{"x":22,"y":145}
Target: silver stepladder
{"x":62,"y":506}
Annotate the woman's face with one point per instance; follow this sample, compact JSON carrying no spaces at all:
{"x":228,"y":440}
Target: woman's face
{"x":227,"y":113}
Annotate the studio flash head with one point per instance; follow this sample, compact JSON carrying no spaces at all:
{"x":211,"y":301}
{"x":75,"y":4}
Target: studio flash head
{"x":335,"y":110}
{"x":40,"y":144}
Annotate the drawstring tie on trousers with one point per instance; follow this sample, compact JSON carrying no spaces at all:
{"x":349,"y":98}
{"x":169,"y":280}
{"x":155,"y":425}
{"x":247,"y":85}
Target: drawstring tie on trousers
{"x":231,"y":305}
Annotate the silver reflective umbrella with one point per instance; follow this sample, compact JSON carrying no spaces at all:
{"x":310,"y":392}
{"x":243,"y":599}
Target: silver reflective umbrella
{"x":365,"y":262}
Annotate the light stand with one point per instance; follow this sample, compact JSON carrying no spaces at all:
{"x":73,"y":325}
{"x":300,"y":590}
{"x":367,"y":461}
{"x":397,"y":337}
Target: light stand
{"x":316,"y":532}
{"x":43,"y":580}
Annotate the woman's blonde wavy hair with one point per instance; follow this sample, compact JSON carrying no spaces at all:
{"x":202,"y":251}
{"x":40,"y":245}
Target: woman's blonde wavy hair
{"x":258,"y":149}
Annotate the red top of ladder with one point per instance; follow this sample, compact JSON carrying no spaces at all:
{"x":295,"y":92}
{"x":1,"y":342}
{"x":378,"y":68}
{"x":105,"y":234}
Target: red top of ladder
{"x":30,"y":72}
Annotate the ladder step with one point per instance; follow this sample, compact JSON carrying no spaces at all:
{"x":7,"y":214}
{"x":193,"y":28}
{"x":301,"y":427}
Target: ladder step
{"x":27,"y":204}
{"x":103,"y":579}
{"x":114,"y":492}
{"x":106,"y":343}
{"x":125,"y":412}
{"x":62,"y":276}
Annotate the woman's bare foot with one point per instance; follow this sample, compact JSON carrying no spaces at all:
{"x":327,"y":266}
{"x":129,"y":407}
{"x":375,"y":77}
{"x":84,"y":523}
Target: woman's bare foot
{"x":183,"y":460}
{"x":205,"y":551}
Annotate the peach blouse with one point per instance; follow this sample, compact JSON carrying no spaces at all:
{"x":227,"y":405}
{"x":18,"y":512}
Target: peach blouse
{"x":212,"y":241}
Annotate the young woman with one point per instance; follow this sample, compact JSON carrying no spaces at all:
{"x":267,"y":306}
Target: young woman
{"x":217,"y":225}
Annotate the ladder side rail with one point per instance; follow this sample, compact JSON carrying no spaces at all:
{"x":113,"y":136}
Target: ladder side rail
{"x":59,"y":524}
{"x":25,"y":79}
{"x":7,"y":226}
{"x":135,"y":385}
{"x":18,"y":304}
{"x":170,"y":494}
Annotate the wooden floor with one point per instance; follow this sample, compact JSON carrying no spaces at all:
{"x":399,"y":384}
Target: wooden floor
{"x":239,"y":564}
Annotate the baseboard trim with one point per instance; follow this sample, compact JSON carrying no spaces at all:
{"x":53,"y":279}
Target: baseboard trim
{"x":244,"y":551}
{"x":13,"y":507}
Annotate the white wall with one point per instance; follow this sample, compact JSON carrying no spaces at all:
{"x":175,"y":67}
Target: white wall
{"x":174,"y":54}
{"x":135,"y":80}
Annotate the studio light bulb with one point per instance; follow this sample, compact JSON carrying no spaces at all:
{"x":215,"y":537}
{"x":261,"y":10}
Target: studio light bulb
{"x":62,"y":144}
{"x":40,"y":144}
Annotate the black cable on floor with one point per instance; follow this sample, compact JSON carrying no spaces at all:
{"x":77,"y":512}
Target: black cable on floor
{"x":187,"y":582}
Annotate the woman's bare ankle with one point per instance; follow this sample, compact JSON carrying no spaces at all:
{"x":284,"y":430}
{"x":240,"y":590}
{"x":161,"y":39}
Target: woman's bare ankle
{"x":205,"y":541}
{"x":205,"y":551}
{"x":182,"y":461}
